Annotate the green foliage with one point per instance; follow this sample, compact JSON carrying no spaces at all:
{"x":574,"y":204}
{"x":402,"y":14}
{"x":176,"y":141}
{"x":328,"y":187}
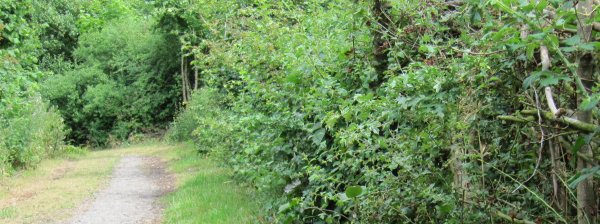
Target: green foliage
{"x":123,"y":83}
{"x":75,"y":151}
{"x":99,"y":62}
{"x":353,"y":191}
{"x":38,"y":46}
{"x":96,"y":14}
{"x":58,"y":31}
{"x":29,"y":129}
{"x":204,"y":121}
{"x":305,"y":112}
{"x":18,"y":35}
{"x":350,"y":111}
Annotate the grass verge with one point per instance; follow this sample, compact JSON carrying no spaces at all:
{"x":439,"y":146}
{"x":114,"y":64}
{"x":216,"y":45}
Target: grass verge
{"x":51,"y":193}
{"x":205,"y":193}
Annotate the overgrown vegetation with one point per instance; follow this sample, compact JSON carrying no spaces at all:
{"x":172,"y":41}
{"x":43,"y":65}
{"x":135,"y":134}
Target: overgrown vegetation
{"x":397,"y":111}
{"x":29,"y":129}
{"x":373,"y":111}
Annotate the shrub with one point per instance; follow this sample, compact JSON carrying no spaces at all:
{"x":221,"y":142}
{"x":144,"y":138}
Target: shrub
{"x":122,"y":85}
{"x":204,"y":121}
{"x":428,"y":109}
{"x":33,"y":133}
{"x":29,"y":129}
{"x":73,"y":152}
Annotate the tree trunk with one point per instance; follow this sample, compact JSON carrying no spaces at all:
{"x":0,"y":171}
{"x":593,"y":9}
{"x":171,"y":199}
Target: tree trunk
{"x":195,"y":78}
{"x":462,"y":180}
{"x":381,"y":26}
{"x":558,"y":171}
{"x":188,"y":88}
{"x":183,"y":86}
{"x":586,"y":194}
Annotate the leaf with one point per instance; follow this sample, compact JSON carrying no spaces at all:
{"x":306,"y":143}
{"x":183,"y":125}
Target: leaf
{"x":590,"y":102}
{"x":294,"y":78}
{"x":545,"y":78}
{"x":572,"y":41}
{"x":583,"y":175}
{"x":578,"y":144}
{"x":531,"y":79}
{"x":318,"y":135}
{"x":550,"y":79}
{"x":553,"y":40}
{"x":426,"y":48}
{"x":475,"y":16}
{"x":331,"y":121}
{"x":290,"y":187}
{"x":446,"y":208}
{"x":289,"y":220}
{"x":538,"y":36}
{"x":284,"y":207}
{"x":541,"y":5}
{"x":588,"y":46}
{"x":568,"y":49}
{"x":531,"y":49}
{"x":353,"y":191}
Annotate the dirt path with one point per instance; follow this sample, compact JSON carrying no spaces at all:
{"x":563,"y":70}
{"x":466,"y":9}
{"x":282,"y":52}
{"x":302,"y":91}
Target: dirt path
{"x":131,"y":196}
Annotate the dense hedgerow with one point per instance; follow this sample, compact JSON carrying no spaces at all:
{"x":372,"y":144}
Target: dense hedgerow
{"x":30,"y":130}
{"x":393,"y":111}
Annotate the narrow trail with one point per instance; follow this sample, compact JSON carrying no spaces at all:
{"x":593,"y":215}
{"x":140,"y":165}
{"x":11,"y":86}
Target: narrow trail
{"x":131,"y":196}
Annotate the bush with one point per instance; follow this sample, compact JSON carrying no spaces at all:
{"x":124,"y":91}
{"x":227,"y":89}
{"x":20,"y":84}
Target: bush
{"x":122,"y":85}
{"x":406,"y":101}
{"x":33,"y":133}
{"x":73,"y":152}
{"x":29,"y":129}
{"x":183,"y":126}
{"x":204,"y":121}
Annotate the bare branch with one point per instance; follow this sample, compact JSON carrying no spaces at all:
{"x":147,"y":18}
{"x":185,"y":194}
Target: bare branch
{"x":550,"y":101}
{"x":571,"y":122}
{"x":512,"y":219}
{"x":516,"y":118}
{"x":548,"y":90}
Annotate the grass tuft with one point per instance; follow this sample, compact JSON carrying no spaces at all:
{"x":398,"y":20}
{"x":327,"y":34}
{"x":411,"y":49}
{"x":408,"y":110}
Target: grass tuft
{"x":8,"y":212}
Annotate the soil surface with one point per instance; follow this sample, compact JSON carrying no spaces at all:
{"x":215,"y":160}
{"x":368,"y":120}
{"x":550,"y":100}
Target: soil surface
{"x":132,"y":195}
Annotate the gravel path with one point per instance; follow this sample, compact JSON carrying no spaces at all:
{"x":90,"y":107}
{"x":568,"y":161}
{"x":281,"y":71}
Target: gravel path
{"x":131,"y":196}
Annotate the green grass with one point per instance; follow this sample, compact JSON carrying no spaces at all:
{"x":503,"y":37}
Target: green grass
{"x":7,"y":212}
{"x":206,"y":193}
{"x":50,"y":192}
